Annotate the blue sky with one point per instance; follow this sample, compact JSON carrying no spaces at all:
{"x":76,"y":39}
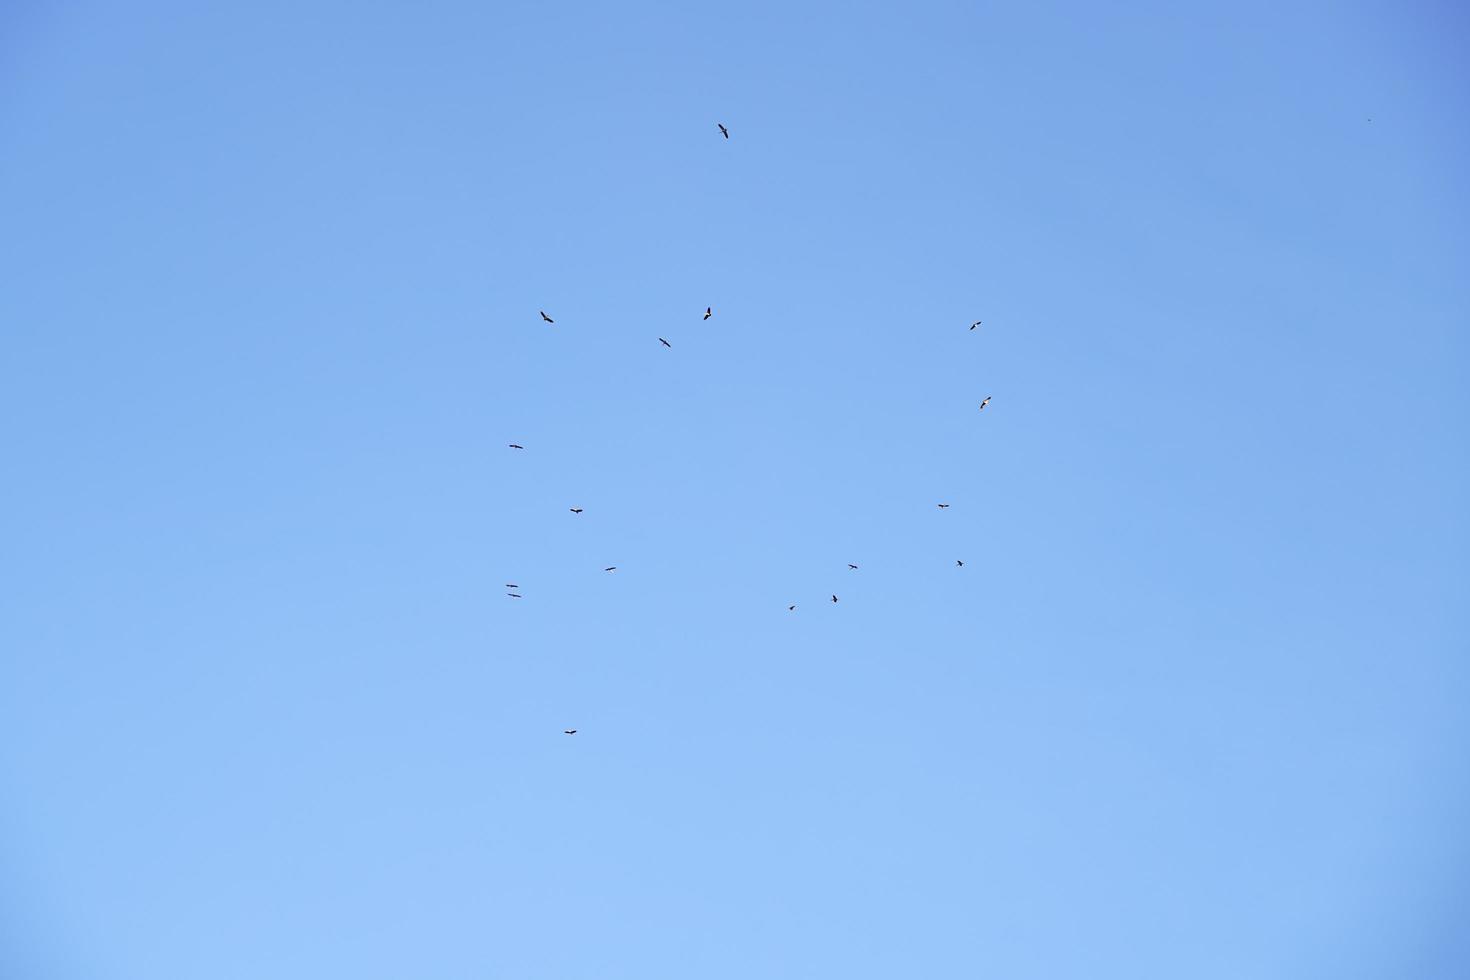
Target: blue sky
{"x":1194,"y":706}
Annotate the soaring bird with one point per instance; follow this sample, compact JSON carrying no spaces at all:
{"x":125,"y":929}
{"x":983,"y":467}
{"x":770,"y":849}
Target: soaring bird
{"x":975,"y":324}
{"x":569,"y":731}
{"x":511,"y":585}
{"x":791,"y":609}
{"x":514,"y":446}
{"x":852,"y":566}
{"x":575,"y":510}
{"x":834,"y":598}
{"x":666,"y":343}
{"x":984,"y":403}
{"x":545,"y":317}
{"x":709,"y":311}
{"x":944,"y":506}
{"x":513,"y":595}
{"x":611,"y":568}
{"x":723,"y":131}
{"x":959,"y":563}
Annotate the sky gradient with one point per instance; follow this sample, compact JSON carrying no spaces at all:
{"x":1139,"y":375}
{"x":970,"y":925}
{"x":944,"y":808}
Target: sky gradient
{"x":1193,"y":707}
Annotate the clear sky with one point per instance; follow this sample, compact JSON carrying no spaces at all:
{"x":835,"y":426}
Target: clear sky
{"x":1194,"y":706}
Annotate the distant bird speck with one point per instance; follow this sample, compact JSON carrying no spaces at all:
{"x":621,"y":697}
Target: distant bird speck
{"x":834,"y":598}
{"x":513,"y":595}
{"x":611,"y":568}
{"x":959,"y":563}
{"x":511,"y":585}
{"x":709,"y":311}
{"x":975,"y":324}
{"x":852,"y":566}
{"x":791,"y":609}
{"x":545,"y":317}
{"x":984,"y":403}
{"x":944,"y":506}
{"x":569,"y":731}
{"x":575,"y":510}
{"x":514,"y":446}
{"x":723,"y":131}
{"x":666,"y":343}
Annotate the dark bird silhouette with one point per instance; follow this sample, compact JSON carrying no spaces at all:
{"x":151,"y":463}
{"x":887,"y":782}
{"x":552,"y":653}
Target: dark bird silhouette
{"x":852,"y":566}
{"x":575,"y":510}
{"x":723,"y":131}
{"x":611,"y":568}
{"x":709,"y":311}
{"x":545,"y":317}
{"x":791,"y":609}
{"x":984,"y":403}
{"x":959,"y":563}
{"x":569,"y":731}
{"x":666,"y":343}
{"x":944,"y":506}
{"x":975,"y":324}
{"x":834,"y":598}
{"x":513,"y":595}
{"x":514,"y":446}
{"x":511,"y":585}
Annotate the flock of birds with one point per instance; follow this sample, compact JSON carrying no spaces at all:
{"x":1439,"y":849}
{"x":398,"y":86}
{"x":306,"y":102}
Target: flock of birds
{"x":708,"y":312}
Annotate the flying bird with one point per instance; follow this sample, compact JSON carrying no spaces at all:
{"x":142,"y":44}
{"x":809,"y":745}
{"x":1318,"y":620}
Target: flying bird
{"x":513,"y":595}
{"x":511,"y":585}
{"x":666,"y":343}
{"x":834,"y":598}
{"x":575,"y":510}
{"x":611,"y":568}
{"x":852,"y":566}
{"x":514,"y":446}
{"x":984,"y":403}
{"x":975,"y":324}
{"x":709,"y":311}
{"x":569,"y":731}
{"x":959,"y":563}
{"x":944,"y":506}
{"x":545,"y":317}
{"x":791,"y":609}
{"x":723,"y":131}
